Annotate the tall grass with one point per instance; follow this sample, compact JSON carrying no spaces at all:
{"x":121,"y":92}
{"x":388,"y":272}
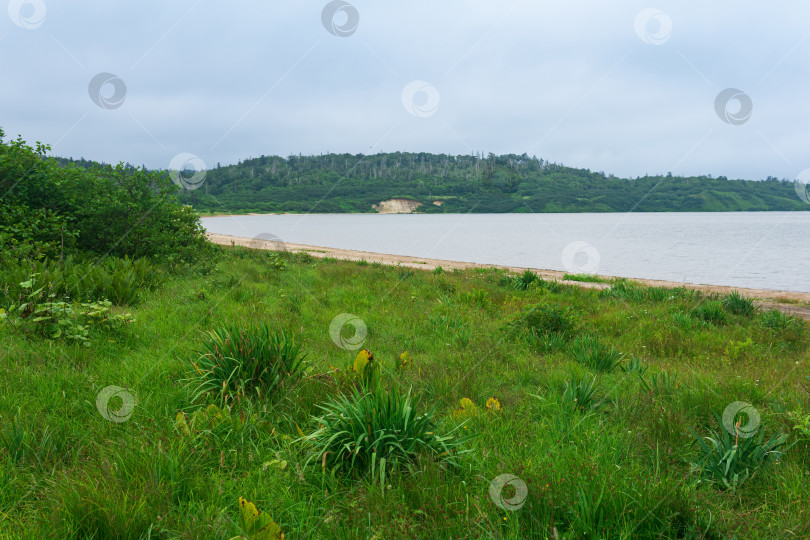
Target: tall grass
{"x":378,"y":433}
{"x":177,"y":468}
{"x":246,"y":360}
{"x":121,"y":281}
{"x":591,"y":353}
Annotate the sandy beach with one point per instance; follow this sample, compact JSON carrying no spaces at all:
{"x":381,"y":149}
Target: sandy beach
{"x":796,"y":303}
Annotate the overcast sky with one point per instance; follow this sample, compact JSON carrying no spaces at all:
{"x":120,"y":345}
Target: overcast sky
{"x":628,"y":87}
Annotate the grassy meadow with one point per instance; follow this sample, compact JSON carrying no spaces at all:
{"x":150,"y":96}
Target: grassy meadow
{"x":607,"y":412}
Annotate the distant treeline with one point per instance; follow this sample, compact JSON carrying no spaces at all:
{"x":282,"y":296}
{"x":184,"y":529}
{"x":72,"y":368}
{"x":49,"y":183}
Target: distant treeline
{"x":469,"y":183}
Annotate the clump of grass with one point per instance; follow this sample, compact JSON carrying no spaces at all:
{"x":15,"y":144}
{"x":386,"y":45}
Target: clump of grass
{"x":623,"y":290}
{"x":477,"y":297}
{"x":23,"y":444}
{"x":590,"y":352}
{"x":634,"y":365}
{"x":238,"y":360}
{"x":737,"y":304}
{"x":776,"y":320}
{"x":729,"y":461}
{"x":546,"y":342}
{"x":586,"y":278}
{"x":377,"y":433}
{"x":628,"y":291}
{"x":711,"y":312}
{"x":522,"y":282}
{"x":580,"y":394}
{"x":548,"y":319}
{"x":663,"y":383}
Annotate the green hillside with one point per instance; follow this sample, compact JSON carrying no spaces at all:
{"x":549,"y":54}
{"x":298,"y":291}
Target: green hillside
{"x":491,"y":184}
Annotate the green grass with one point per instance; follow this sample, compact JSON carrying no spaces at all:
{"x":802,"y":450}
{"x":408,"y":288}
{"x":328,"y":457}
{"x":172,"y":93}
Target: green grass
{"x":176,"y":467}
{"x":586,"y":278}
{"x":241,"y":360}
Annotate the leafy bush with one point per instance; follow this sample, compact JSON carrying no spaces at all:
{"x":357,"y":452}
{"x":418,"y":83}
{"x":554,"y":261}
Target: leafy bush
{"x":730,"y":461}
{"x":590,"y":352}
{"x":737,"y":304}
{"x":45,"y":316}
{"x":52,"y":211}
{"x":711,"y":312}
{"x":240,"y":360}
{"x":378,"y":432}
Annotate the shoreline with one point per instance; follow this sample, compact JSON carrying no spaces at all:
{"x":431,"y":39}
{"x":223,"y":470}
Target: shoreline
{"x":463,"y":213}
{"x":785,"y":301}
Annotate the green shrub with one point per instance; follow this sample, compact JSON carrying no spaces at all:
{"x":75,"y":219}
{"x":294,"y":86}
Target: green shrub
{"x":737,"y":304}
{"x":591,"y":353}
{"x":728,"y":461}
{"x":238,"y":361}
{"x":50,"y":210}
{"x":711,"y":312}
{"x":548,"y":319}
{"x":378,"y":432}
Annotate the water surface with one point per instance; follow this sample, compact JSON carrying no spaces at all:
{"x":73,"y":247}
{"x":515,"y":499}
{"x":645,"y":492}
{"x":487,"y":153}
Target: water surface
{"x":766,"y":250}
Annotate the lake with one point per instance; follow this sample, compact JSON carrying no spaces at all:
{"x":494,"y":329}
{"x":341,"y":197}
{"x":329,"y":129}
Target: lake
{"x":765,"y":250}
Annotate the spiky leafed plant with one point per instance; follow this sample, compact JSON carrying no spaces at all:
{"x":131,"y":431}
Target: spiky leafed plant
{"x":238,"y":360}
{"x":729,"y":460}
{"x":378,"y":432}
{"x":581,"y":395}
{"x":737,"y":304}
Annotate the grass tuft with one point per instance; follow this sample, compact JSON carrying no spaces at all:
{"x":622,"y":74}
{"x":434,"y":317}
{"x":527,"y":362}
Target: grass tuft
{"x":378,"y":433}
{"x":238,"y":360}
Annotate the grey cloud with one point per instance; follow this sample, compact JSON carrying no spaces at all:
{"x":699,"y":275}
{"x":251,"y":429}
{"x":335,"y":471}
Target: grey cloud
{"x":569,"y":82}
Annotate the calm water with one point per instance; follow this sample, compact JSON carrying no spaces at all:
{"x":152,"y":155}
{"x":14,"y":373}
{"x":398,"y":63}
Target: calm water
{"x":768,"y":250}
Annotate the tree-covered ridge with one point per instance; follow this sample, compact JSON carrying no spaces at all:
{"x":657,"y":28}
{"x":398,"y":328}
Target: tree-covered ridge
{"x":469,"y":183}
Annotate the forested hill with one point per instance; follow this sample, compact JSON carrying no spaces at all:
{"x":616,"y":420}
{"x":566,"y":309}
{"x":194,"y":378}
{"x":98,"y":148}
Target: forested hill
{"x":472,"y":183}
